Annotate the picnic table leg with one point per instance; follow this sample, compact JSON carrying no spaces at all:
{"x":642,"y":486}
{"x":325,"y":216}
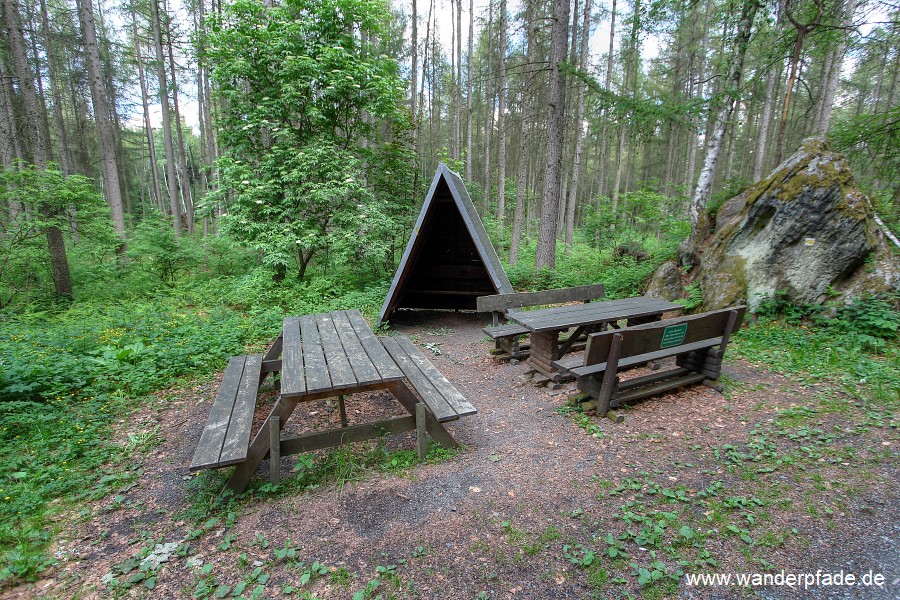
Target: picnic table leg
{"x":259,"y":447}
{"x":274,"y":450}
{"x":343,"y":410}
{"x":565,"y":346}
{"x":432,"y":426}
{"x":421,"y":437}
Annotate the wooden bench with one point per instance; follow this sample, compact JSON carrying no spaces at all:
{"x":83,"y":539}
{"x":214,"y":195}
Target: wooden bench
{"x":697,"y":341}
{"x":226,"y":437}
{"x":506,"y":337}
{"x":444,"y":401}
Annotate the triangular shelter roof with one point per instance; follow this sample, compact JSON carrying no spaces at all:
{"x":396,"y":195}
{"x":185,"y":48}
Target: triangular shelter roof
{"x":449,"y":260}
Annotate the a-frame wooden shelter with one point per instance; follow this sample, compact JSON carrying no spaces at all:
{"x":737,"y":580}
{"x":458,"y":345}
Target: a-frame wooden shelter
{"x":449,"y":260}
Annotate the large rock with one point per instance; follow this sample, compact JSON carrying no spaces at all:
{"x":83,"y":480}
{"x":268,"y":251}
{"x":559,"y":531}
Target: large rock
{"x":806,"y":230}
{"x":666,"y":282}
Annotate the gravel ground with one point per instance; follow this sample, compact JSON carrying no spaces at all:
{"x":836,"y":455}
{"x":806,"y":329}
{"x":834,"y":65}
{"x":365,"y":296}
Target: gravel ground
{"x":506,"y":516}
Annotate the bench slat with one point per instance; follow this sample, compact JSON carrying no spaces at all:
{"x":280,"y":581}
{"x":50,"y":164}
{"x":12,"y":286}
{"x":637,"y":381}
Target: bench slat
{"x":441,"y":397}
{"x":210,"y":446}
{"x":237,"y":441}
{"x":505,"y":331}
{"x":376,"y":352}
{"x":338,"y":364}
{"x":451,"y":395}
{"x":315,"y":367}
{"x":642,"y":358}
{"x":362,"y":365}
{"x":646,"y":339}
{"x":292,"y":380}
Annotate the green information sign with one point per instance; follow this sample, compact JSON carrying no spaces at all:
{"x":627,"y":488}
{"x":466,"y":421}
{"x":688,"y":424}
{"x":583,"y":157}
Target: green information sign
{"x":674,"y":335}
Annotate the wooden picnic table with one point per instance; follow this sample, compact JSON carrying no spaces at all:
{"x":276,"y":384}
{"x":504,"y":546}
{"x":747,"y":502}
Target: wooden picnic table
{"x":547,"y":324}
{"x":336,"y":354}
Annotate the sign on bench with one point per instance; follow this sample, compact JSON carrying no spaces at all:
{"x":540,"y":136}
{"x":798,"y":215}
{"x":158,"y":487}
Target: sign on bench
{"x":697,"y":342}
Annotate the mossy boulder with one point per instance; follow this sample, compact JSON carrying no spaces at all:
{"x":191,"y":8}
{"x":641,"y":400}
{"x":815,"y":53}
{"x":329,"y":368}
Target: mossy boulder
{"x":666,"y":282}
{"x":806,"y":229}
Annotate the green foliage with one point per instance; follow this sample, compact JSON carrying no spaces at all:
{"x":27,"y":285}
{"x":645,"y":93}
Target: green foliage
{"x":31,"y":201}
{"x":694,"y":297}
{"x":154,"y":249}
{"x":315,"y":160}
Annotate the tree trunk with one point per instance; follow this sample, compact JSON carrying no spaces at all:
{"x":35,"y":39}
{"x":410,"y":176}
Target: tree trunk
{"x":607,"y":82}
{"x":764,"y":125}
{"x":579,"y":139}
{"x":501,"y":124}
{"x":469,"y":115}
{"x":414,"y":58}
{"x":148,"y":127}
{"x":488,"y":108}
{"x":834,"y":72}
{"x":103,"y":117}
{"x":546,"y":250}
{"x":171,"y":179}
{"x":802,"y":31}
{"x":182,"y":158}
{"x":699,"y":223}
{"x":64,"y":156}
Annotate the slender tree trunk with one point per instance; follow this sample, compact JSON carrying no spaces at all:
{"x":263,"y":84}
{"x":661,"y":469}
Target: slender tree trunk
{"x":802,"y":31}
{"x":488,"y":107}
{"x":414,"y":58}
{"x":699,"y":223}
{"x":148,"y":126}
{"x":546,"y":250}
{"x":39,"y":146}
{"x":457,"y":125}
{"x":834,"y":72}
{"x":522,"y":159}
{"x":49,"y":48}
{"x":764,"y":121}
{"x":171,"y":179}
{"x":103,"y":118}
{"x":501,"y":123}
{"x":182,"y":157}
{"x":607,"y":83}
{"x":579,"y":138}
{"x":469,"y":113}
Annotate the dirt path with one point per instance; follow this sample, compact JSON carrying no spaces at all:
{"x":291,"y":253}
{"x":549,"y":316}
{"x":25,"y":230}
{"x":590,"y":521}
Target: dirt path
{"x":534,"y":507}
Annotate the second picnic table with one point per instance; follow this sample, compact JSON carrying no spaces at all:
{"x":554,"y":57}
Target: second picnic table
{"x":547,"y":324}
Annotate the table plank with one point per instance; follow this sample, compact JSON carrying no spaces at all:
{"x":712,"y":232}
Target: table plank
{"x":596,"y":312}
{"x":339,"y":368}
{"x":292,"y":380}
{"x":362,"y":365}
{"x":315,"y":368}
{"x":379,"y":356}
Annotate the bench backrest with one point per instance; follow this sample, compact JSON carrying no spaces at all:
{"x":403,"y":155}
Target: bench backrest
{"x":670,"y":334}
{"x":501,"y":302}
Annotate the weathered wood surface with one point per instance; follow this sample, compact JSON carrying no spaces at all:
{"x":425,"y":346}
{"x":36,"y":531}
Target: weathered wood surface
{"x":502,"y":331}
{"x":226,"y":437}
{"x":441,"y":397}
{"x":644,"y":339}
{"x":332,"y":352}
{"x":697,"y":341}
{"x":575,"y":315}
{"x":502,"y":302}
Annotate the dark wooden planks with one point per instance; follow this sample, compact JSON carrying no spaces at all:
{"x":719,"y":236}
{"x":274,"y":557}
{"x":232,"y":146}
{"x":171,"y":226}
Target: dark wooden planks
{"x":315,"y":368}
{"x":563,"y":317}
{"x":642,"y":339}
{"x":237,"y":441}
{"x":292,"y":380}
{"x":339,"y":369}
{"x":363,"y":367}
{"x":210,"y":446}
{"x":590,"y":369}
{"x":226,"y":437}
{"x":505,"y":331}
{"x":442,"y":398}
{"x":518,"y":300}
{"x":387,"y":368}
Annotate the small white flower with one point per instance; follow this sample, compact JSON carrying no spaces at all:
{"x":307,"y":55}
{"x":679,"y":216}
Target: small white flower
{"x":259,"y":201}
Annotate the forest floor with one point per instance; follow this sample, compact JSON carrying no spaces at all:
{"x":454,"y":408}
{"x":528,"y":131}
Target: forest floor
{"x":768,"y":475}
